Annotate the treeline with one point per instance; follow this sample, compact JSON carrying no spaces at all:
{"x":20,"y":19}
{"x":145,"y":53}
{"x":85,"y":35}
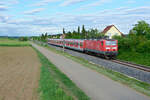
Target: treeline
{"x":42,"y":38}
{"x":75,"y":34}
{"x":82,"y":33}
{"x":138,"y":39}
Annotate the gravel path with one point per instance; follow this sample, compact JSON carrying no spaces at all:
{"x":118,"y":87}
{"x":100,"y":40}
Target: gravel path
{"x":95,"y":85}
{"x":133,"y":72}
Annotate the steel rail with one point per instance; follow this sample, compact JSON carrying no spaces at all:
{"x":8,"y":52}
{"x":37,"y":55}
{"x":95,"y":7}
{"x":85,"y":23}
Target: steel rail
{"x":129,"y":64}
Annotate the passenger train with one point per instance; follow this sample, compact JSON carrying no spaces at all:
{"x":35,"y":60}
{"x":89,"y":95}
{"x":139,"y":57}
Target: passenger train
{"x":107,"y":48}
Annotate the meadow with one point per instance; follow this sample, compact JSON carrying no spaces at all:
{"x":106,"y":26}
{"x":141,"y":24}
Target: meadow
{"x":13,"y":42}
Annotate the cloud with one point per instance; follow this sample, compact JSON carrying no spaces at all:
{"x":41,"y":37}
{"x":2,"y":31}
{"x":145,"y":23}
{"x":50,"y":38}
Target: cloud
{"x":138,"y":10}
{"x":70,"y":2}
{"x":4,"y":18}
{"x":8,"y":2}
{"x":123,"y":18}
{"x":3,"y":8}
{"x":44,"y":2}
{"x":34,"y":11}
{"x":97,"y":3}
{"x":130,"y":1}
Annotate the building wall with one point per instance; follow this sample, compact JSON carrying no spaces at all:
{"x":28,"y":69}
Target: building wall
{"x":112,"y":32}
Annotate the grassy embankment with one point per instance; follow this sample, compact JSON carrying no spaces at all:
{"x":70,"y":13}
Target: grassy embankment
{"x":12,"y":42}
{"x":135,"y":57}
{"x":55,"y":85}
{"x":116,"y":76}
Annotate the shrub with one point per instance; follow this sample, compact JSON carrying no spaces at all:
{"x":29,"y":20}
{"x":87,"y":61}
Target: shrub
{"x":144,"y":47}
{"x":23,"y":38}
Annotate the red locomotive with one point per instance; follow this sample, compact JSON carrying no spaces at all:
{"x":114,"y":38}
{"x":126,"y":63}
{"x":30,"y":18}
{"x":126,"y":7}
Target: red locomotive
{"x":104,"y":47}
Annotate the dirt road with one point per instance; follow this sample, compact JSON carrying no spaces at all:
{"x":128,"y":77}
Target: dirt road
{"x":95,"y":85}
{"x":19,"y":73}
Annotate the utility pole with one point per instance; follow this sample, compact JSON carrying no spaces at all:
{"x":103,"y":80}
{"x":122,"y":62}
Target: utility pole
{"x":63,"y":43}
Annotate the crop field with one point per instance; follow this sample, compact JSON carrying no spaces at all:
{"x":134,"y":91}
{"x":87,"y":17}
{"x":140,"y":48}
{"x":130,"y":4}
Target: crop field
{"x":12,"y":42}
{"x":25,"y":74}
{"x":19,"y":73}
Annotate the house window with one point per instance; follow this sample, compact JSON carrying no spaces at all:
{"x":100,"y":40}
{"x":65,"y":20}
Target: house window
{"x":109,"y":34}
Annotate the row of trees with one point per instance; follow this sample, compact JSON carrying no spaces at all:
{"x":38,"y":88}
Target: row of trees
{"x":82,"y":33}
{"x":79,"y":34}
{"x":43,"y":37}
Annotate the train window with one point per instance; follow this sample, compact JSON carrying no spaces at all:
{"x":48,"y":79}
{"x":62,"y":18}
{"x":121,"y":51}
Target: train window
{"x":111,"y":43}
{"x":108,"y":42}
{"x":81,"y":44}
{"x":102,"y":43}
{"x":76,"y":44}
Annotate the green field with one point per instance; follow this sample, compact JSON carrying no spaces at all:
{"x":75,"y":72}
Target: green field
{"x":12,"y":42}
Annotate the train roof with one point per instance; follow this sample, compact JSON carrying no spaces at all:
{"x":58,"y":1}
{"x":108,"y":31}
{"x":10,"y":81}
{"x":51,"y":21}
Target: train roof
{"x":82,"y":39}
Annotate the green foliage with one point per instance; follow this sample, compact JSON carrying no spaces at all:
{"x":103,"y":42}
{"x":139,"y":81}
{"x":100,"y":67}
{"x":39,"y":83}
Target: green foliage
{"x":23,"y":39}
{"x":13,"y":42}
{"x":42,"y":38}
{"x":142,"y":28}
{"x":84,"y":34}
{"x":144,"y":47}
{"x":78,"y":30}
{"x":136,"y":46}
{"x":64,"y":31}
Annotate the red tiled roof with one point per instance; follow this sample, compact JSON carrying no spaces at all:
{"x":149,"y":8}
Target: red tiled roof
{"x":107,"y":28}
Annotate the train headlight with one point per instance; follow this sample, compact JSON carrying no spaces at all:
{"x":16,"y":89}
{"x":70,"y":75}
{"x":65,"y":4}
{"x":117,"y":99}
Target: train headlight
{"x":107,"y":47}
{"x":114,"y":47}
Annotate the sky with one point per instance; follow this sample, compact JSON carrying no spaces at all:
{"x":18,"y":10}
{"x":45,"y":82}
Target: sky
{"x":34,"y":17}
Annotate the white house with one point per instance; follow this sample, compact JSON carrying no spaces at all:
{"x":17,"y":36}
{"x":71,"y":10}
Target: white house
{"x":111,"y":31}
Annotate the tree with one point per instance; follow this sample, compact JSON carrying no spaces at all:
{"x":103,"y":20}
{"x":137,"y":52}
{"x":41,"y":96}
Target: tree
{"x":142,"y":28}
{"x":78,"y":29}
{"x":63,"y":30}
{"x":83,"y":32}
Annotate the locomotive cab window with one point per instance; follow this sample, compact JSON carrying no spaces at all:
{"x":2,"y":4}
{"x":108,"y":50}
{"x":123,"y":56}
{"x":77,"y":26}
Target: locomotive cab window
{"x":111,"y":43}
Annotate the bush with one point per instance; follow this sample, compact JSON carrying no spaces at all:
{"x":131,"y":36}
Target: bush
{"x":144,"y":47}
{"x":23,"y":39}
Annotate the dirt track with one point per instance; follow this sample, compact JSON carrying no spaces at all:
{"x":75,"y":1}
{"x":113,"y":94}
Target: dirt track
{"x":19,"y":73}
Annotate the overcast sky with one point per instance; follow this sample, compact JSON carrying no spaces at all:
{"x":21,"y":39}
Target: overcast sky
{"x":34,"y":17}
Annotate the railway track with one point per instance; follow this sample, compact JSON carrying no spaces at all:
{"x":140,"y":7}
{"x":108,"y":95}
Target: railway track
{"x":141,"y":73}
{"x":137,"y":66}
{"x":129,"y":64}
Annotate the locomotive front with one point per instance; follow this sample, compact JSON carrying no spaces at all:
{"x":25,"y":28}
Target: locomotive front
{"x":111,"y":48}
